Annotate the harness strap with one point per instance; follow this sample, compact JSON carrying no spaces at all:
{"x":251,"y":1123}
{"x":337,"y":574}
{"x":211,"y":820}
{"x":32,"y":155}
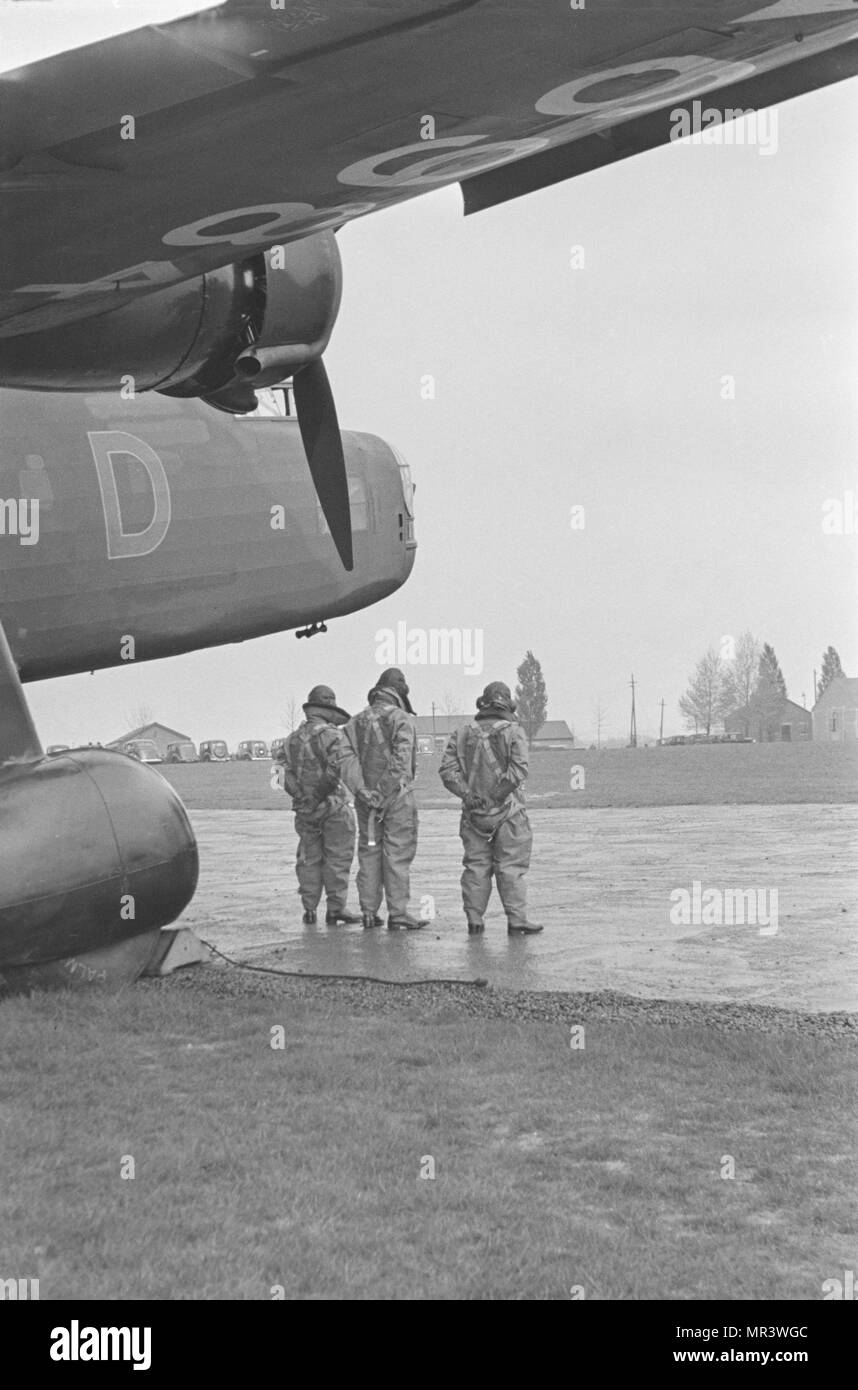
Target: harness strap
{"x":297,"y":754}
{"x":300,"y":749}
{"x":385,"y":742}
{"x":376,"y":728}
{"x":313,"y":743}
{"x":485,"y":740}
{"x":484,"y":747}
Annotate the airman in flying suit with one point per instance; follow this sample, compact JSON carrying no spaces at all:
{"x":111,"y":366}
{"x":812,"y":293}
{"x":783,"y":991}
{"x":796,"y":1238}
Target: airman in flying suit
{"x":380,"y":773}
{"x":311,"y":774}
{"x":485,"y":763}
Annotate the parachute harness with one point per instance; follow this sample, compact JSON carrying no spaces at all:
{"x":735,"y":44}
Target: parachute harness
{"x":483,"y":750}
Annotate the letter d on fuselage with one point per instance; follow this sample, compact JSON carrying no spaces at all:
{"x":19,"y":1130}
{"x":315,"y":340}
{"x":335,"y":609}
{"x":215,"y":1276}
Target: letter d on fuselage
{"x":124,"y":545}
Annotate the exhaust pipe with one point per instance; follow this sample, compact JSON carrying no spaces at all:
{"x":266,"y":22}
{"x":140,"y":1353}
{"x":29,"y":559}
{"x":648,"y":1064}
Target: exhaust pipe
{"x":265,"y":366}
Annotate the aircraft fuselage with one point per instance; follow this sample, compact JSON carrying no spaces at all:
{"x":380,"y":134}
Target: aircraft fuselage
{"x":137,"y":529}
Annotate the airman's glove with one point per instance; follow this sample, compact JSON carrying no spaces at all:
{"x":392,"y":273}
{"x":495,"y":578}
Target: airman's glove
{"x":474,"y":802}
{"x":372,"y":800}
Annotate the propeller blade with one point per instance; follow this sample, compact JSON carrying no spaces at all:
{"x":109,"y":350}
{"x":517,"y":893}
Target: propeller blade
{"x":323,"y":445}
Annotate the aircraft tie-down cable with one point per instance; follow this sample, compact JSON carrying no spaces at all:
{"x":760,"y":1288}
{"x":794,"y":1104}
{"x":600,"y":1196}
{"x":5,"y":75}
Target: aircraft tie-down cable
{"x":479,"y":983}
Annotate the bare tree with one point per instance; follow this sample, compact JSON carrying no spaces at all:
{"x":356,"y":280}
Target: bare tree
{"x":291,"y":716}
{"x":141,"y":716}
{"x":450,"y":704}
{"x":740,"y":676}
{"x":706,"y":701}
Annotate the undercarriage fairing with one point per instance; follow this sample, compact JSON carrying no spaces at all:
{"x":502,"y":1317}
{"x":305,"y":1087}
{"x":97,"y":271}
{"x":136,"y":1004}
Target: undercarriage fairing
{"x":96,"y":850}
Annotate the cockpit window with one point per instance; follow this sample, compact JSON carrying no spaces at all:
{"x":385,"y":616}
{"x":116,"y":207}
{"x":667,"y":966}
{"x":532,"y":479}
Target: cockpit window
{"x":407,"y":489}
{"x":407,"y":483}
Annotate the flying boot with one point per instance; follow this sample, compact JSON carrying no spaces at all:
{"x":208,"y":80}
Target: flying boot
{"x":340,"y":917}
{"x":406,"y":923}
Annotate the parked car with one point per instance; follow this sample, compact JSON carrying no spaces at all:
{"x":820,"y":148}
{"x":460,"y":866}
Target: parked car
{"x":251,"y":750}
{"x":184,"y":752}
{"x":677,"y":739}
{"x":214,"y":750}
{"x":145,"y":750}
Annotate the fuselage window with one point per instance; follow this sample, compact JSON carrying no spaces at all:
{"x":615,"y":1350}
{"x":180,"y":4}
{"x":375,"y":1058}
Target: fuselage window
{"x":272,"y":403}
{"x":359,"y":504}
{"x":34,"y":482}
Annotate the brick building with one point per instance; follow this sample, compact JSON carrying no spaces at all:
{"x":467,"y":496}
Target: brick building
{"x":791,"y":723}
{"x":160,"y":734}
{"x":555,"y":733}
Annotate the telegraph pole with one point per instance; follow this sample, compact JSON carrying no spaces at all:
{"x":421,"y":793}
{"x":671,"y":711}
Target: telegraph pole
{"x":661,"y":723}
{"x":434,"y":745}
{"x":633,"y":726}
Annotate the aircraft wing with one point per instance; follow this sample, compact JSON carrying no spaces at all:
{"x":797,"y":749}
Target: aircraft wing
{"x":159,"y":154}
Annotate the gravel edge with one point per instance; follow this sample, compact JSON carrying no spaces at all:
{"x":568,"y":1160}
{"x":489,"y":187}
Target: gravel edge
{"x":223,"y":981}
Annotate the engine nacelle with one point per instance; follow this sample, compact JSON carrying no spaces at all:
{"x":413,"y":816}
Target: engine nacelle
{"x":97,"y":851}
{"x":218,"y":335}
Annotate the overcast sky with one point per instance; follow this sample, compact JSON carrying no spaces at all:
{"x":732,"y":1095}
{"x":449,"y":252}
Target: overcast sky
{"x":601,"y":387}
{"x":36,"y":29}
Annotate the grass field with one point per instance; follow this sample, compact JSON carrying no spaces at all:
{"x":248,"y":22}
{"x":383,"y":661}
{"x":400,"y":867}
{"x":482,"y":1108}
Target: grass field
{"x":603,"y":1169}
{"x":598,"y":1168}
{"x":767,"y":773}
